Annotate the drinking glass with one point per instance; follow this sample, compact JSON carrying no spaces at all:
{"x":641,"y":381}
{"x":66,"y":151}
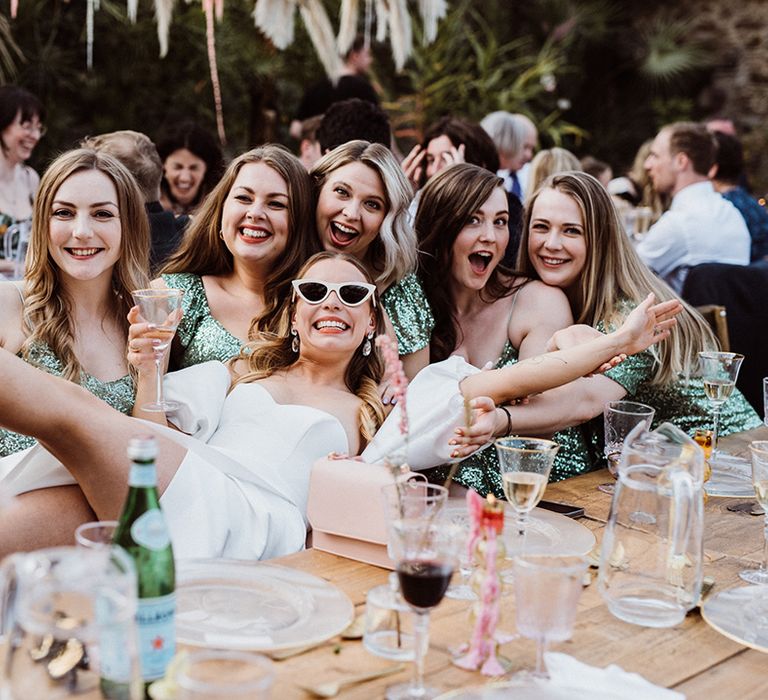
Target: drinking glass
{"x":68,"y":619}
{"x":462,"y":590}
{"x":619,"y":417}
{"x":424,"y":547}
{"x":547,"y":590}
{"x":162,"y":308}
{"x":525,"y":464}
{"x":221,"y":675}
{"x":388,"y":622}
{"x":759,"y":450}
{"x":719,"y":371}
{"x":96,"y":534}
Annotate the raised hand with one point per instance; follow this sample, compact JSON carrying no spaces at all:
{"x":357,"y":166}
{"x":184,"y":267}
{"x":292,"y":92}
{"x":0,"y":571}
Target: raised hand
{"x":648,"y":323}
{"x":413,"y":164}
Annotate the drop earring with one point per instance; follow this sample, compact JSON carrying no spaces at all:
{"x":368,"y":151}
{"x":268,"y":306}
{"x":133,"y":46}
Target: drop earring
{"x":295,"y":341}
{"x":367,"y":345}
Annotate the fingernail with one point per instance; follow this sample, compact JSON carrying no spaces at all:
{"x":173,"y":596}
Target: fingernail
{"x":394,"y":401}
{"x":385,"y":401}
{"x":155,"y":342}
{"x":452,"y":442}
{"x":151,"y":326}
{"x":455,"y":453}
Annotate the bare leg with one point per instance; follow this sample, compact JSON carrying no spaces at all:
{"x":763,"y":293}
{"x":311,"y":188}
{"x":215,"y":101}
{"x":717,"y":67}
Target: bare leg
{"x":81,"y":431}
{"x":28,"y":524}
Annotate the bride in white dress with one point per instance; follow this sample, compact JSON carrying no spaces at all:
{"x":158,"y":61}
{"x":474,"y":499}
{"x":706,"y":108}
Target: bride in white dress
{"x":234,"y":482}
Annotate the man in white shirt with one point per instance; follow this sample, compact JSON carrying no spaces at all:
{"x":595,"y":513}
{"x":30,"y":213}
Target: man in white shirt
{"x":700,"y":225}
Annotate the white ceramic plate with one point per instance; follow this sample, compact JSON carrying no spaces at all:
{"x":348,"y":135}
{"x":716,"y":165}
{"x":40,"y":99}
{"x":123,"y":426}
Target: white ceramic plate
{"x":547,"y":532}
{"x":228,"y":604}
{"x":740,"y":614}
{"x":731,"y":478}
{"x":525,"y":690}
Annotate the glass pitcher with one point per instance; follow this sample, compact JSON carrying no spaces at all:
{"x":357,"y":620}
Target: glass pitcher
{"x":650,"y":563}
{"x":67,"y":625}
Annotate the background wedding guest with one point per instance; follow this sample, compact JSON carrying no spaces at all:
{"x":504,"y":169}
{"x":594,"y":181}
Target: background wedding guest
{"x":700,"y":226}
{"x":137,"y":153}
{"x":309,"y":146}
{"x":88,"y":251}
{"x":549,"y":162}
{"x":352,"y":120}
{"x":726,"y":174}
{"x":21,"y":127}
{"x":192,"y":165}
{"x":598,"y":169}
{"x":240,"y":253}
{"x":515,"y":137}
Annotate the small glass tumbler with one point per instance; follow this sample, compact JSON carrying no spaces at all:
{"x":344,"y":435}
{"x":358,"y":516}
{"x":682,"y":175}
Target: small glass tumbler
{"x":225,"y":675}
{"x":388,"y":622}
{"x":619,"y":418}
{"x":96,"y":534}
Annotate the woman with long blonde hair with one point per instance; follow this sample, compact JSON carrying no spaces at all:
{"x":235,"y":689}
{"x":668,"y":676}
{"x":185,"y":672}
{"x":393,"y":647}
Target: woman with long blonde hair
{"x":234,"y":478}
{"x":362,"y":199}
{"x":88,"y":251}
{"x":236,"y":261}
{"x":574,"y":240}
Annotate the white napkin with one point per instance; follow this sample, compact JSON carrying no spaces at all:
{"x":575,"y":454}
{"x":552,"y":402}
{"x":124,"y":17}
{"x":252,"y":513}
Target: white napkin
{"x":612,"y":681}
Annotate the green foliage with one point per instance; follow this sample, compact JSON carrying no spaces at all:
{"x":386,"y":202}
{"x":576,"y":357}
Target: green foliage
{"x":666,"y":52}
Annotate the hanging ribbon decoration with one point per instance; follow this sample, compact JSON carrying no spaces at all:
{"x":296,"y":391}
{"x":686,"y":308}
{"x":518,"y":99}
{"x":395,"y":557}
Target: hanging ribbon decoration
{"x":210,"y":7}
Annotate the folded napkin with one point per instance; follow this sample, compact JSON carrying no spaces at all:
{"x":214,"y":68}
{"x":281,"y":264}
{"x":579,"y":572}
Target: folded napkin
{"x":580,"y":680}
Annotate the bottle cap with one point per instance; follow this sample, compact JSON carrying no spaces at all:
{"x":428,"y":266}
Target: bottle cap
{"x":142,"y":447}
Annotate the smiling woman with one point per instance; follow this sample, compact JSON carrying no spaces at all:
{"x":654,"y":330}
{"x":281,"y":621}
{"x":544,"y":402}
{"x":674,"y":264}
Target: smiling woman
{"x":240,"y":253}
{"x":362,"y":198}
{"x":69,"y":315}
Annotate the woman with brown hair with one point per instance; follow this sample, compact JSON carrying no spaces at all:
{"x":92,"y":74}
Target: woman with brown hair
{"x":87,"y":253}
{"x":239,"y":255}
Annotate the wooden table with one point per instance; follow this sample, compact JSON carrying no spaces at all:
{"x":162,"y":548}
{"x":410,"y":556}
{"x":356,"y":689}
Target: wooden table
{"x":691,"y":658}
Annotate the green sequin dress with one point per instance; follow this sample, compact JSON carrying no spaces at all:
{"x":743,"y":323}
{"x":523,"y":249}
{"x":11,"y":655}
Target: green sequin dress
{"x":119,"y":394}
{"x":480,"y":471}
{"x":200,"y":335}
{"x":408,"y":309}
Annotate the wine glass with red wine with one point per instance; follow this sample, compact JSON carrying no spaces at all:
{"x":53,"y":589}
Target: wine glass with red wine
{"x":424,"y":547}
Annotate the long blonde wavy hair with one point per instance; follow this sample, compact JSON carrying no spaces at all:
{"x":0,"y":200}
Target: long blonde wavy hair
{"x":614,"y":275}
{"x":47,"y":309}
{"x":268,"y":353}
{"x":393,"y":252}
{"x":202,"y":251}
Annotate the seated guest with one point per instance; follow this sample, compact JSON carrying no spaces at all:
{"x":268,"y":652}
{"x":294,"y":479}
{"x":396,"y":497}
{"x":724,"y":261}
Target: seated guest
{"x":192,"y":165}
{"x":362,"y":199}
{"x":239,"y":487}
{"x":240,"y":253}
{"x":573,"y":239}
{"x":87,"y":253}
{"x":700,"y":226}
{"x":21,"y":127}
{"x":353,"y":120}
{"x":727,"y":172}
{"x":137,"y":153}
{"x":549,"y":161}
{"x":483,"y":311}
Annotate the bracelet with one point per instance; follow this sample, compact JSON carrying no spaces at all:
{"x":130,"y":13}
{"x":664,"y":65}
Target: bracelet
{"x":509,"y":419}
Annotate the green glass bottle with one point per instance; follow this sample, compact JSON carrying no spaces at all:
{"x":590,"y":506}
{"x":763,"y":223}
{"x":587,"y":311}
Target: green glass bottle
{"x":143,"y":533}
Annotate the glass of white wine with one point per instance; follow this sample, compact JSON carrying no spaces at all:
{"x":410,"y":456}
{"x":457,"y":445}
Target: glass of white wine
{"x":759,"y":450}
{"x":525,"y":464}
{"x":162,"y":308}
{"x":719,"y":371}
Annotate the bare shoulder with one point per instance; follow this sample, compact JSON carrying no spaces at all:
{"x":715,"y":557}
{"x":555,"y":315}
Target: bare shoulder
{"x":11,"y":315}
{"x":537,"y":293}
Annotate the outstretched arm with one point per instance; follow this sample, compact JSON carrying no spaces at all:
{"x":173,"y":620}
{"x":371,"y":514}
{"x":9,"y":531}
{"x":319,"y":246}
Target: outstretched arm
{"x":646,"y":325}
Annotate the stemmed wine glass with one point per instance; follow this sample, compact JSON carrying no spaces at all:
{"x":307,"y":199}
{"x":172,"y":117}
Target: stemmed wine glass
{"x":719,"y":371}
{"x":423,"y":546}
{"x":525,"y":465}
{"x":161,"y":308}
{"x":547,"y":590}
{"x":759,"y":450}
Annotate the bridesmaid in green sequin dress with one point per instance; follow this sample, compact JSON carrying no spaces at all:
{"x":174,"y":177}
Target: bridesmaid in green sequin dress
{"x":484,"y":311}
{"x":362,"y":209}
{"x":68,"y":317}
{"x":237,"y":259}
{"x":573,"y":239}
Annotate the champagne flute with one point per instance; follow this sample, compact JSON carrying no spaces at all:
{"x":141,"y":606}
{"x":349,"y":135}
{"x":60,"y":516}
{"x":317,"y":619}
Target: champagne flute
{"x":161,"y":308}
{"x":525,"y":465}
{"x":425,"y":561}
{"x":759,"y":450}
{"x":719,"y":371}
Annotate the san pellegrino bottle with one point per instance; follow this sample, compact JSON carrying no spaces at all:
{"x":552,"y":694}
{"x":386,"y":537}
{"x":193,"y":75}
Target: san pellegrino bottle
{"x":142,"y":531}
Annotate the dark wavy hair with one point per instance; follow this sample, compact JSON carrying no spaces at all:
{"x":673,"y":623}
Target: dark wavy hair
{"x":15,"y":99}
{"x":446,"y":203}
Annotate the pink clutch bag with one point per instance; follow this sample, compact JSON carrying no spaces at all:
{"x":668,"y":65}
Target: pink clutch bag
{"x":346,"y":510}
